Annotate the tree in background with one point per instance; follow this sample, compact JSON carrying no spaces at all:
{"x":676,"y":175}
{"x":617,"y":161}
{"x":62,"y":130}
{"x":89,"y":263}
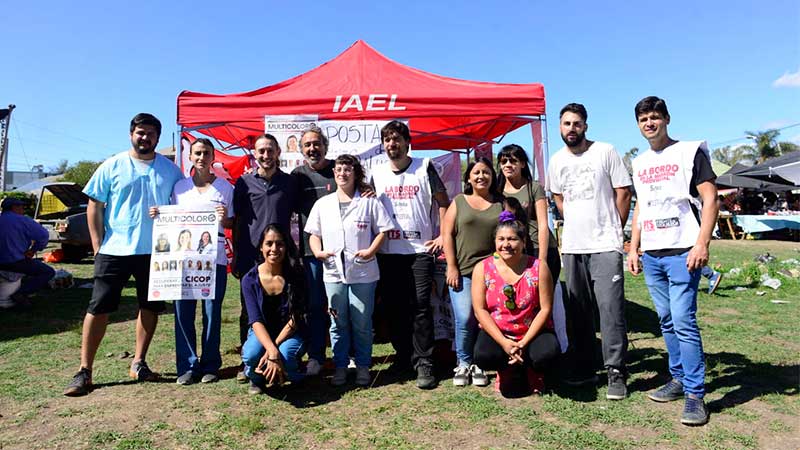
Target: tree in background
{"x":80,"y":172}
{"x":766,"y":144}
{"x":733,"y":155}
{"x":627,"y":159}
{"x":788,"y":147}
{"x":59,"y":168}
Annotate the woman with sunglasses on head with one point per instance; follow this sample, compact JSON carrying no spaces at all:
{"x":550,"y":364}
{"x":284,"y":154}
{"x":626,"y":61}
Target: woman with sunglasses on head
{"x":275,"y":297}
{"x":466,"y":234}
{"x":202,"y":188}
{"x":515,"y":180}
{"x":346,"y":230}
{"x":512,"y":294}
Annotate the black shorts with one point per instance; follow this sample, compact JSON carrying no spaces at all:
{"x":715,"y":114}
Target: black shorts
{"x":111,"y":273}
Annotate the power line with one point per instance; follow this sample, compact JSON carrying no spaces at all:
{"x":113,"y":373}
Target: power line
{"x":60,"y":133}
{"x":21,"y":146}
{"x":743,"y":138}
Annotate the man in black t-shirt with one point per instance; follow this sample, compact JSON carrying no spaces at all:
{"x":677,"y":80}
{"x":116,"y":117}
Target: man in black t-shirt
{"x":315,"y":180}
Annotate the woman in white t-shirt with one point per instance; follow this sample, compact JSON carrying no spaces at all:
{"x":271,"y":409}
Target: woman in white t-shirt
{"x":202,"y":188}
{"x":346,"y":231}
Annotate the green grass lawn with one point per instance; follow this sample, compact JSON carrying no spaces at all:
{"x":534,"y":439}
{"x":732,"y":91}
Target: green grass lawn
{"x":752,"y":347}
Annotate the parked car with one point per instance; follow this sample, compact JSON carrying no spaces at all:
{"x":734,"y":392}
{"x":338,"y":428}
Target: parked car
{"x":61,"y":209}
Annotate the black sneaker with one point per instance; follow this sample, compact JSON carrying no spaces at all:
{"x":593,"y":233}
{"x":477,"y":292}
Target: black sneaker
{"x":425,"y":377}
{"x":581,"y":380}
{"x":141,"y":372}
{"x":694,"y":411}
{"x":616,"y":385}
{"x":673,"y":390}
{"x":81,"y":383}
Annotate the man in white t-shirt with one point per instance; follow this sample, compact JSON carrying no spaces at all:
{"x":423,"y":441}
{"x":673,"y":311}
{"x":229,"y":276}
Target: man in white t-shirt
{"x":407,"y":187}
{"x":590,"y":186}
{"x":676,"y":211}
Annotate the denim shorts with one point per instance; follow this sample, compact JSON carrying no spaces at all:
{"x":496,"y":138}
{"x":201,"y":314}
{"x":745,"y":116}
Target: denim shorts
{"x":111,"y":273}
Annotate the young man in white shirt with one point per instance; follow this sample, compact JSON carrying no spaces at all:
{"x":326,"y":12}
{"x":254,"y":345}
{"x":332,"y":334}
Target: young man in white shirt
{"x":590,"y":186}
{"x":675,"y":214}
{"x":407,"y":187}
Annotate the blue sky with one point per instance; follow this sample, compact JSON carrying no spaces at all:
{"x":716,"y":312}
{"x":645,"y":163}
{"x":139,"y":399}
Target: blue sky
{"x":79,"y":71}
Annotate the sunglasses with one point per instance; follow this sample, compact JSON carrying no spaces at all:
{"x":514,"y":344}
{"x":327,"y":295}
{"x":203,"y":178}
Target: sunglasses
{"x":511,"y":297}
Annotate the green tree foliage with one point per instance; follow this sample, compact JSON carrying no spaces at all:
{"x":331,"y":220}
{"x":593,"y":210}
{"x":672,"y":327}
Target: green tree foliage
{"x":766,"y":144}
{"x":59,"y":168}
{"x":80,"y":172}
{"x":733,"y":155}
{"x":788,"y":147}
{"x":627,"y":159}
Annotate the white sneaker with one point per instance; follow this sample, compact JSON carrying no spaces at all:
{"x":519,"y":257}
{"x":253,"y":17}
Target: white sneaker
{"x":362,"y":376}
{"x":461,"y":378}
{"x":479,"y":377}
{"x":313,"y":367}
{"x":339,"y":376}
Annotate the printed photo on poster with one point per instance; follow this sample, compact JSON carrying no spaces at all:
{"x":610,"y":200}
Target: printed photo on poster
{"x":184,"y":253}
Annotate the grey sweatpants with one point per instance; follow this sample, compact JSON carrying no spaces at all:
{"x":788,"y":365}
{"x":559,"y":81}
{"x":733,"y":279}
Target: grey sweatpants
{"x":595,"y":280}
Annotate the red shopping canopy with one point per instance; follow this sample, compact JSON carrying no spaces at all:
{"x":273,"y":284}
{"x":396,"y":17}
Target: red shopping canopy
{"x":444,"y":113}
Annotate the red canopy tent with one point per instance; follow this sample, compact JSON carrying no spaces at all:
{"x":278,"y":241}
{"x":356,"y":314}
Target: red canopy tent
{"x":444,"y":113}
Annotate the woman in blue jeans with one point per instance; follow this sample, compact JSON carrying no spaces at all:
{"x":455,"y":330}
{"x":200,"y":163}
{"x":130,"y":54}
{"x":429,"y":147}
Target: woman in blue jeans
{"x":275,"y":298}
{"x":346,"y":230}
{"x":467,"y":233}
{"x":202,"y":189}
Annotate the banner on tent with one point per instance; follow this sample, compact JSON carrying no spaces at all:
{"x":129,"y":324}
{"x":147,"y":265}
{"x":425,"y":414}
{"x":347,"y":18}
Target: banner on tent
{"x":184,"y":254}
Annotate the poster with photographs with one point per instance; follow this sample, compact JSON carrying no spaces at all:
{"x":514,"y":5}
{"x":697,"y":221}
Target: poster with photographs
{"x":183,"y":261}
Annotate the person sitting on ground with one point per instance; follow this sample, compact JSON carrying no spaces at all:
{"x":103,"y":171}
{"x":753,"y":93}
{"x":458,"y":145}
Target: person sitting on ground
{"x":512,"y":295}
{"x":275,"y":298}
{"x":21,"y":238}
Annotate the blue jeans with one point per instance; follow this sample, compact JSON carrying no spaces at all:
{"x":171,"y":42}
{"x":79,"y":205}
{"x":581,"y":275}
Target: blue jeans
{"x":291,"y":350}
{"x":317,"y":302}
{"x":353,"y":304}
{"x":186,"y":336}
{"x":674,"y":292}
{"x":707,"y":271}
{"x":466,"y":325}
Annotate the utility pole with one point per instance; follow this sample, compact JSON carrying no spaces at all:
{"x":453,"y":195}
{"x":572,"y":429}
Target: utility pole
{"x":5,"y":125}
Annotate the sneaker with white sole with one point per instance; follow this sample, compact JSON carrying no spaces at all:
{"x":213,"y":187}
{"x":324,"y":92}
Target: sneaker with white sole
{"x":478,"y":376}
{"x":461,"y":377}
{"x":313,"y":367}
{"x":339,"y":376}
{"x":713,"y":282}
{"x":694,"y":411}
{"x":363,"y":377}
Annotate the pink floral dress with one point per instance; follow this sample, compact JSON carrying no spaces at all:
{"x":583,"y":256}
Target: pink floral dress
{"x":514,"y":323}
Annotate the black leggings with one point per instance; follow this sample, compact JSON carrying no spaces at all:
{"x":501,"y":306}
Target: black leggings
{"x":538,"y":354}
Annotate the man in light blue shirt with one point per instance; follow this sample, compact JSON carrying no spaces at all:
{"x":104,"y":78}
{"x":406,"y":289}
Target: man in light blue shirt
{"x":121,"y":192}
{"x":21,"y":238}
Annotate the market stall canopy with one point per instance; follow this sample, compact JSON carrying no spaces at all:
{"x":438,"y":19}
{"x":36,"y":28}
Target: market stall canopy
{"x":361,"y":84}
{"x":784,"y":169}
{"x":738,"y":177}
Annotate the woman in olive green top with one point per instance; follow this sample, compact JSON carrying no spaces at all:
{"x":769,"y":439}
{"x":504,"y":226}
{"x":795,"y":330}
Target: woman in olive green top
{"x":516,"y":181}
{"x":467,"y":233}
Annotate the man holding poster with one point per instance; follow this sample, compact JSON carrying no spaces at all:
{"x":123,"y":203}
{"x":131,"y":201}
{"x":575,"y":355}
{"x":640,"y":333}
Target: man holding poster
{"x":121,"y":191}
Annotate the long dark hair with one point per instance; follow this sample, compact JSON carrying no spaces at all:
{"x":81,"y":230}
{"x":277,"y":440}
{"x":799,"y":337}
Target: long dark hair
{"x":517,"y":152}
{"x":292,"y":271}
{"x":470,"y":166}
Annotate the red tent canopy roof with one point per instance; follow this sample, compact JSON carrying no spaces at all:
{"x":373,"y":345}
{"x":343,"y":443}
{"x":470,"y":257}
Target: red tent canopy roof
{"x":360,"y":83}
